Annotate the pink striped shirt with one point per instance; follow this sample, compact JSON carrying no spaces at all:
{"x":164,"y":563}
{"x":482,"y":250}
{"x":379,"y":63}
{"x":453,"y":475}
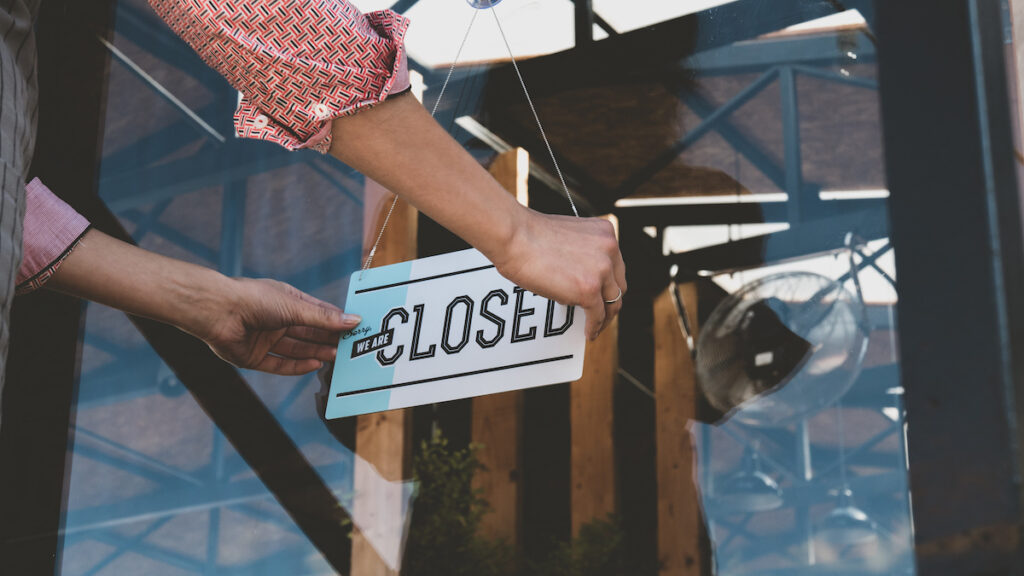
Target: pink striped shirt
{"x":52,"y":229}
{"x":297,"y":64}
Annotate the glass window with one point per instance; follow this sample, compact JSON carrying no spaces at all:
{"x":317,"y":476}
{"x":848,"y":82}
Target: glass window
{"x":745,"y":415}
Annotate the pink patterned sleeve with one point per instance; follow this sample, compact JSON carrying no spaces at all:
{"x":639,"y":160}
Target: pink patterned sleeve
{"x":298,"y":64}
{"x":52,"y":230}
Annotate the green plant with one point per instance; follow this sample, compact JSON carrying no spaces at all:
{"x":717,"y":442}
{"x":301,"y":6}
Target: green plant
{"x":598,"y":550}
{"x":443,"y":537}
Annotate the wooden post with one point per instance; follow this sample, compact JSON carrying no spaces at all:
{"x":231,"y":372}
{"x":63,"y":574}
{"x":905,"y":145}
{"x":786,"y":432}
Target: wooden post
{"x":675,"y":389}
{"x":498,"y":418}
{"x":1016,"y":80}
{"x":384,"y":439}
{"x":591,"y":420}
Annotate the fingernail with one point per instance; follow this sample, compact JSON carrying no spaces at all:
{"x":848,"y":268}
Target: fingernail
{"x":351,"y":319}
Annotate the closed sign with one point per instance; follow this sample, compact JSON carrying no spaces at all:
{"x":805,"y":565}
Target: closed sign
{"x":448,"y":327}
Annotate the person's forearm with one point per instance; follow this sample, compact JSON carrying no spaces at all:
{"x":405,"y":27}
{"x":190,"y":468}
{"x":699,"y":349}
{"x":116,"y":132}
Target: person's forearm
{"x":111,"y":272}
{"x":574,"y":261}
{"x":399,"y":145}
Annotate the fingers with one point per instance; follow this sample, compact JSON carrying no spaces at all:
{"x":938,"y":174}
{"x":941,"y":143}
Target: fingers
{"x":288,"y":366}
{"x":612,"y":273}
{"x":299,"y":349}
{"x":310,"y":312}
{"x":619,"y":270}
{"x":315,"y":335}
{"x":312,"y":299}
{"x":595,"y":311}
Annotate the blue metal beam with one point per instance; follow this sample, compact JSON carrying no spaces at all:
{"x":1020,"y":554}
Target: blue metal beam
{"x":145,"y":30}
{"x":761,"y":160}
{"x":174,"y":236}
{"x":709,"y":122}
{"x":208,"y":167}
{"x":176,"y":501}
{"x":403,"y":6}
{"x":831,"y":76}
{"x":232,"y":228}
{"x":152,"y":147}
{"x":791,"y":146}
{"x":127,"y":546}
{"x":155,"y":552}
{"x":354,"y":179}
{"x":818,"y":49}
{"x":134,"y":461}
{"x":145,"y":223}
{"x":818,"y":236}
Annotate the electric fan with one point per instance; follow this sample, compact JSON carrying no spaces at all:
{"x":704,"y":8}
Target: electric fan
{"x":781,"y":346}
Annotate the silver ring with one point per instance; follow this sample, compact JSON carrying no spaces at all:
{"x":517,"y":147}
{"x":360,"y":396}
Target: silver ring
{"x":616,"y":299}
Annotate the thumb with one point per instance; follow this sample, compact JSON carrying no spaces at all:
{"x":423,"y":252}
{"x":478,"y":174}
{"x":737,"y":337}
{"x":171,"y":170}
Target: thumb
{"x":308,"y":311}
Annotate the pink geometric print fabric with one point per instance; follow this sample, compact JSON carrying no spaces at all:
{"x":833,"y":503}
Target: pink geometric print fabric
{"x":297,"y":63}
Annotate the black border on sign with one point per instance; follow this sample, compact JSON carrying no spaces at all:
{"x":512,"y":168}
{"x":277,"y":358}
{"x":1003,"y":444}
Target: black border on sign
{"x":459,"y":375}
{"x":424,"y":279}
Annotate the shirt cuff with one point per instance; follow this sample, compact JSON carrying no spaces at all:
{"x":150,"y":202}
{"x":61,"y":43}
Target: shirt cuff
{"x":52,"y":230}
{"x":333,"y":100}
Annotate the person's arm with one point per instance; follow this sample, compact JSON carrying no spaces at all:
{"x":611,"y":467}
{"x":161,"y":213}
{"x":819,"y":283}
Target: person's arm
{"x":331,"y":82}
{"x":571,"y":260}
{"x":260,"y":324}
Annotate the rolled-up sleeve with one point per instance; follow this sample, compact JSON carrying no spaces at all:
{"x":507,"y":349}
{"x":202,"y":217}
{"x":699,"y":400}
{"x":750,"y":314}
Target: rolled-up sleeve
{"x":298,"y":64}
{"x":52,"y":230}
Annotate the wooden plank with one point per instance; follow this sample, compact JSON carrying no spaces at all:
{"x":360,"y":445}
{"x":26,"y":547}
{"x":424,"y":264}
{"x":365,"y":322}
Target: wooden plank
{"x":383,"y":440}
{"x":591,"y":417}
{"x":675,"y":388}
{"x":1016,"y":71}
{"x":498,"y":418}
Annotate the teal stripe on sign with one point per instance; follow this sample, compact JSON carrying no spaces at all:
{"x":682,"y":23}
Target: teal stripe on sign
{"x":365,"y":372}
{"x":359,"y":404}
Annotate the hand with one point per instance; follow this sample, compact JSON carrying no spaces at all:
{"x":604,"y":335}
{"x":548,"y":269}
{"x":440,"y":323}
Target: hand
{"x":574,"y":261}
{"x":260,"y":324}
{"x":274,"y":327}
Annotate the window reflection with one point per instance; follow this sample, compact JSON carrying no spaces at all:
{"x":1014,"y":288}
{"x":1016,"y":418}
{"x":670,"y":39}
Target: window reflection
{"x":740,"y":148}
{"x":811,"y":474}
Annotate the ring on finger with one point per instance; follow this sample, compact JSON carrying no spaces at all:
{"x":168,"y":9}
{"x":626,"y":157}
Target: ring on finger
{"x":616,"y":299}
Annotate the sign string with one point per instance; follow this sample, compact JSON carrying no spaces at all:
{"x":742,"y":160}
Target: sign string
{"x":433,"y":113}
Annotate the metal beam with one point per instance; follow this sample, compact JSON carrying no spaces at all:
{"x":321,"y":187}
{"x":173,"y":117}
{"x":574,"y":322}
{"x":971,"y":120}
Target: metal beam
{"x":754,"y":55}
{"x":244,"y":420}
{"x":403,"y":6}
{"x":186,"y":499}
{"x":145,"y":30}
{"x":709,"y":122}
{"x":584,"y":23}
{"x":956,"y":220}
{"x":791,"y":146}
{"x":815,"y":237}
{"x":208,"y":167}
{"x":705,"y":214}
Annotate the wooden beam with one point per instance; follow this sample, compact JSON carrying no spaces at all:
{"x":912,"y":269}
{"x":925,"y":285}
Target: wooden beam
{"x":591,"y":420}
{"x":498,"y":418}
{"x":675,"y":389}
{"x":384,"y":439}
{"x":1016,"y":79}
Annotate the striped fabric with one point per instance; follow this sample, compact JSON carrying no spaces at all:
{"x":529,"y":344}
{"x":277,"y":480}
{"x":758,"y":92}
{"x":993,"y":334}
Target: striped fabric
{"x":51,"y":230}
{"x":17,"y":139}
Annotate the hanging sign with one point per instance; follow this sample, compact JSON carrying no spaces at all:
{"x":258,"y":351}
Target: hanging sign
{"x":448,"y":327}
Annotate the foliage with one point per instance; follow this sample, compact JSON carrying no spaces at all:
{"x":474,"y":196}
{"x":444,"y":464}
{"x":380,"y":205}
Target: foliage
{"x":598,"y":550}
{"x":443,"y":537}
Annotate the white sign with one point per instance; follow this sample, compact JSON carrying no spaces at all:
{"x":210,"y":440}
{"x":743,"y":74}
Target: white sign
{"x":448,"y":327}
